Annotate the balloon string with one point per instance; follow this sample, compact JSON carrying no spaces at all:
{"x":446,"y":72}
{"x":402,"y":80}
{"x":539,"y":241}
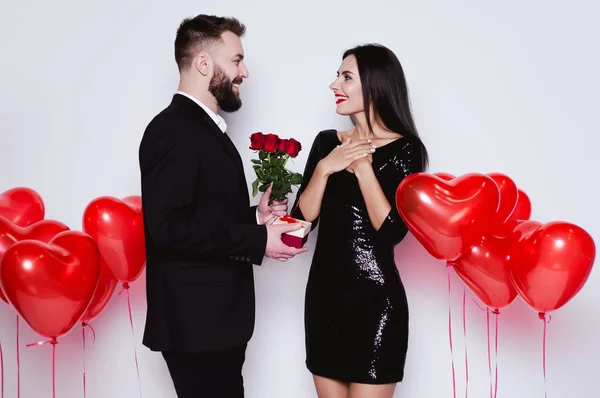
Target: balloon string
{"x":18,"y":361}
{"x":489,"y":344}
{"x":137,"y":366}
{"x":2,"y":369}
{"x":450,"y":332}
{"x":464,"y":313}
{"x":83,"y":341}
{"x":54,"y":369}
{"x":83,"y":325}
{"x":496,"y":312}
{"x":54,"y":342}
{"x":489,"y":352}
{"x":546,"y":319}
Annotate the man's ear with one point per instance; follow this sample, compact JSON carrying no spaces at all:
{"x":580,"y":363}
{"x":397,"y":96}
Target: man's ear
{"x":203,"y":63}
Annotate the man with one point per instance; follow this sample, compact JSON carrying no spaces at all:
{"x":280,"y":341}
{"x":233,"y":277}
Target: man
{"x":202,"y":236}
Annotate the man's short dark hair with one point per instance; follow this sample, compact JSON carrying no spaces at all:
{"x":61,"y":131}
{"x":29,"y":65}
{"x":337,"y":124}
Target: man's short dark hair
{"x":200,"y":32}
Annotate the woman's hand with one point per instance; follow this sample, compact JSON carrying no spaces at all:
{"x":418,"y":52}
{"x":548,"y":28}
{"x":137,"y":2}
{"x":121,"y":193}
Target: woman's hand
{"x":360,"y":163}
{"x":345,"y":154}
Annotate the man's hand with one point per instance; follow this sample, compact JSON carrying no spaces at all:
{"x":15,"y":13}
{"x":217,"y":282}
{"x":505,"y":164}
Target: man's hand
{"x":266,"y":212}
{"x":275,"y":247}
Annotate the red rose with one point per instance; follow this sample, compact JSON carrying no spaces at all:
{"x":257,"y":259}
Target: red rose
{"x":281,"y":146}
{"x":292,"y":147}
{"x":256,"y":141}
{"x":271,"y":143}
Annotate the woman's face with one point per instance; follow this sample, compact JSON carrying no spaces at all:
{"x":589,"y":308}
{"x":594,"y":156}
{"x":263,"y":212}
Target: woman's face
{"x":347,"y":88}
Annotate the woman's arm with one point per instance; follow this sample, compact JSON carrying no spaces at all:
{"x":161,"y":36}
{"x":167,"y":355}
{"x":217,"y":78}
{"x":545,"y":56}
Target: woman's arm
{"x":310,"y":200}
{"x":301,"y":210}
{"x":380,"y":197}
{"x":318,"y":169}
{"x":378,"y":206}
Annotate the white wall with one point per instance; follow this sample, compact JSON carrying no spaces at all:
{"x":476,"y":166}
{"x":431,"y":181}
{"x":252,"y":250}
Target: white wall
{"x":507,"y":86}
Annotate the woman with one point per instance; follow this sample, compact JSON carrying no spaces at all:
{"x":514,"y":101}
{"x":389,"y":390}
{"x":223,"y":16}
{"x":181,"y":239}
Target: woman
{"x":356,"y":315}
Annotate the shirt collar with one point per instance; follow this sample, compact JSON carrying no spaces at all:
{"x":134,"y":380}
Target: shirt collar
{"x":219,"y":121}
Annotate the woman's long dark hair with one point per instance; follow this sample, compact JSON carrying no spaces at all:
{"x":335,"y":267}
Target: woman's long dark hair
{"x":384,"y":87}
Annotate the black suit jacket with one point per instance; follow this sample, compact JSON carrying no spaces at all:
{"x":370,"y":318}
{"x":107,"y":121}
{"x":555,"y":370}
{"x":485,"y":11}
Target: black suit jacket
{"x":201,"y":234}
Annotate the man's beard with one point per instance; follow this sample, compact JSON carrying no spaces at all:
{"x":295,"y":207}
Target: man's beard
{"x":221,"y":87}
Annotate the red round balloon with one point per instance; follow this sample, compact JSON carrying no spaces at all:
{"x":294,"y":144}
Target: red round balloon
{"x":550,"y":263}
{"x":50,"y":284}
{"x":42,"y":231}
{"x":22,"y":206}
{"x":447,"y":217}
{"x":486,"y":272}
{"x":118,"y":229}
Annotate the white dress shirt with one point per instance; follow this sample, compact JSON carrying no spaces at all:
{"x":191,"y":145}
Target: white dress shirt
{"x":219,"y":121}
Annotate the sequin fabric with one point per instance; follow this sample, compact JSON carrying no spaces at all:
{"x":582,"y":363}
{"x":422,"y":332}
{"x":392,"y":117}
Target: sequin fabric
{"x":356,"y":310}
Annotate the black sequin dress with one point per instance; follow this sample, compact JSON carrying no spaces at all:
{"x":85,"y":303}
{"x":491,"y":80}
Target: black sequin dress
{"x":356,"y":310}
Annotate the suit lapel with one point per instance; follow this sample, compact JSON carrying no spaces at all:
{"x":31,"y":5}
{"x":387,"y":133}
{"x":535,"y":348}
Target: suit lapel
{"x":213,"y":128}
{"x":225,"y":141}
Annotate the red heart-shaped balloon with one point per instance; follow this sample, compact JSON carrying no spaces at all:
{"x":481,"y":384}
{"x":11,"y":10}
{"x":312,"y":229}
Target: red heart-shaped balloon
{"x":107,"y":282}
{"x":22,"y":206}
{"x":512,"y":204}
{"x":486,"y":272}
{"x":118,"y":230}
{"x":509,"y":194}
{"x":135,"y":201}
{"x":550,"y":263}
{"x":522,"y":210}
{"x":11,"y":233}
{"x":521,"y":231}
{"x":447,"y":217}
{"x":445,"y":176}
{"x":50,"y":284}
{"x":102,"y":295}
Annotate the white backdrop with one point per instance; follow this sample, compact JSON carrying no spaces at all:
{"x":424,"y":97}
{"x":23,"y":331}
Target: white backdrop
{"x":507,"y":86}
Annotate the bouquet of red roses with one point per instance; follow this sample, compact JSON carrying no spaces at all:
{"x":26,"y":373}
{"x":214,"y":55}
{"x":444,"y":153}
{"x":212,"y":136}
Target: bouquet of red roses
{"x":273,"y":155}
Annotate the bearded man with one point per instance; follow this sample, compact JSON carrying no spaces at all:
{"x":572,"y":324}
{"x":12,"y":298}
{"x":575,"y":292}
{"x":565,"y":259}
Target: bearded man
{"x":202,"y":236}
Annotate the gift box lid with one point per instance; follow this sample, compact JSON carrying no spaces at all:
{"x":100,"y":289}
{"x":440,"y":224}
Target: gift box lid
{"x":302,"y":232}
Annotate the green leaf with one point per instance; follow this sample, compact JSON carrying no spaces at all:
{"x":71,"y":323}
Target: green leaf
{"x":255,"y":188}
{"x":296,"y":179}
{"x":256,"y":161}
{"x":263,"y":187}
{"x":277,"y":186}
{"x":262,"y":155}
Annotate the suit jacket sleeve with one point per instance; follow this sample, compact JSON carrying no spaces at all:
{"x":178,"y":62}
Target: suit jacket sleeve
{"x":252,"y":215}
{"x":169,"y":166}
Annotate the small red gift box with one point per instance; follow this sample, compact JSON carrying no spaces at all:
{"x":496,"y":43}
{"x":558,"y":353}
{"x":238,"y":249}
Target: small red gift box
{"x":295,"y":238}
